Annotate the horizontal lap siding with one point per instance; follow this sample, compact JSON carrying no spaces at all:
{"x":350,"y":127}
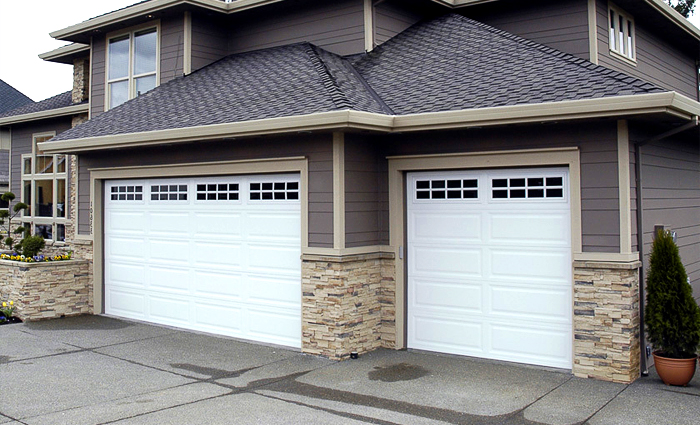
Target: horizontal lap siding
{"x":336,"y":26}
{"x":4,"y":166}
{"x":97,"y":77}
{"x":560,"y":24}
{"x":659,"y":61}
{"x":671,"y":193}
{"x":209,"y":40}
{"x":391,"y":18}
{"x":317,"y":148}
{"x":172,"y":46}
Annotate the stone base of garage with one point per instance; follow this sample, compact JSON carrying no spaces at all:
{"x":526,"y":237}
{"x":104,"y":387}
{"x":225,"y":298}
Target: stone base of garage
{"x":347,"y":304}
{"x":47,"y":290}
{"x":606,"y":321}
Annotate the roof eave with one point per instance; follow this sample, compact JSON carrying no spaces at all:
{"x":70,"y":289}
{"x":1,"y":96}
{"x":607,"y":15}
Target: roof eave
{"x":51,"y":113}
{"x":62,"y":54}
{"x":666,"y":103}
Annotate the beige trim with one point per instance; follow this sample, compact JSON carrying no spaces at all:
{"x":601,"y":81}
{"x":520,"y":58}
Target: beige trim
{"x":90,"y":78}
{"x":99,"y":175}
{"x":51,"y":113}
{"x":338,"y":190}
{"x":187,"y":41}
{"x":399,"y":165}
{"x":625,"y":195}
{"x":56,"y":55}
{"x":369,"y":25}
{"x":608,"y":257}
{"x":332,"y":252}
{"x":669,"y":103}
{"x":592,"y":32}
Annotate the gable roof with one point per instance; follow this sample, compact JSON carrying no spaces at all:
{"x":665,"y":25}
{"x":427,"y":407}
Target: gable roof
{"x":11,"y":98}
{"x":448,"y":64}
{"x":55,"y":106}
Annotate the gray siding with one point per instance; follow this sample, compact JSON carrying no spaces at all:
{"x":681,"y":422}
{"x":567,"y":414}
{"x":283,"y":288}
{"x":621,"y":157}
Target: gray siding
{"x":172,"y":48}
{"x":4,"y":166}
{"x":659,"y":61}
{"x":671,"y":192}
{"x":560,"y":24}
{"x":597,"y":144}
{"x":209,"y":40}
{"x":391,"y":17}
{"x":97,"y":76}
{"x":317,"y":148}
{"x":336,"y":26}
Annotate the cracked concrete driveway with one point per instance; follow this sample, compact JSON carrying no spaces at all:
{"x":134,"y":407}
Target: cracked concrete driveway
{"x":100,"y":370}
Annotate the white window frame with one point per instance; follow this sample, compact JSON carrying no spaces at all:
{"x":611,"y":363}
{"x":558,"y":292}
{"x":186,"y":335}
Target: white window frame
{"x":625,"y":49}
{"x":54,"y":221}
{"x":131,"y":77}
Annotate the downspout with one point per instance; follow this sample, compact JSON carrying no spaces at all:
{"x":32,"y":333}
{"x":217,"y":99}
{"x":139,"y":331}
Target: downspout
{"x":640,"y":228}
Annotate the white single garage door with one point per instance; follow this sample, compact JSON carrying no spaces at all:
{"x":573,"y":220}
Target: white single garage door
{"x":214,"y":254}
{"x":489,"y":264}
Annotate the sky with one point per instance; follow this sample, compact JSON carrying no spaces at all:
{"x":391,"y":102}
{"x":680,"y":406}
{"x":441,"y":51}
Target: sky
{"x":24,"y":34}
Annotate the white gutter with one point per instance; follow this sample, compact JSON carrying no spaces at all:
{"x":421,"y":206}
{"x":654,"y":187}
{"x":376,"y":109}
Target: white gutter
{"x":668,"y":103}
{"x":70,"y":49}
{"x":51,"y":113}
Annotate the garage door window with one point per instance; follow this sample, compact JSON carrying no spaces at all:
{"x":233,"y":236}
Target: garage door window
{"x":169,"y":192}
{"x":218,"y":192}
{"x":447,"y":189}
{"x":274,"y":191}
{"x":527,"y":188}
{"x":126,"y":193}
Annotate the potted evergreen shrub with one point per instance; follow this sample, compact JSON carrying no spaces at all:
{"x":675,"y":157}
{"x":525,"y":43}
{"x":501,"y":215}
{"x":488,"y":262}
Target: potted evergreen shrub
{"x":672,"y":316}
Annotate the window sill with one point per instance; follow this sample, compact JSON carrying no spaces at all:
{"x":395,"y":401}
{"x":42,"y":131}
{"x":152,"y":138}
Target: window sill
{"x":623,"y":58}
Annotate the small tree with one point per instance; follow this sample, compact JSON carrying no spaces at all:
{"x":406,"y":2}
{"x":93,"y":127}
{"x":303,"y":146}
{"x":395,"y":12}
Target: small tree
{"x":684,"y":7}
{"x":672,"y":316}
{"x":6,"y":231}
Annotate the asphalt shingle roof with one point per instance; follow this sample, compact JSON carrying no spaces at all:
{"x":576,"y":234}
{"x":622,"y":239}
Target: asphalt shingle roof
{"x":450,"y":63}
{"x":11,"y":98}
{"x":59,"y":101}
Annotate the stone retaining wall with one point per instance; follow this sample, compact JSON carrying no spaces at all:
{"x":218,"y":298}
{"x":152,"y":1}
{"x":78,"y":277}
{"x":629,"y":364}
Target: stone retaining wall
{"x":47,"y":290}
{"x":606,"y":321}
{"x":342,"y":304}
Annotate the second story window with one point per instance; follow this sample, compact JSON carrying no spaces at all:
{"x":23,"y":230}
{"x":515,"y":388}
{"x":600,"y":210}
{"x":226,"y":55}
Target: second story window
{"x":622,"y":38}
{"x":132,"y":65}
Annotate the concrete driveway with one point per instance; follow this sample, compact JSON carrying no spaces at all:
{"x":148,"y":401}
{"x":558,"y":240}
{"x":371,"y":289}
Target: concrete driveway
{"x":98,"y":370}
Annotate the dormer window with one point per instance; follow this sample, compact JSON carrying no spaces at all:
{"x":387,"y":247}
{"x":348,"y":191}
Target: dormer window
{"x":132,"y":63}
{"x":622,"y":37}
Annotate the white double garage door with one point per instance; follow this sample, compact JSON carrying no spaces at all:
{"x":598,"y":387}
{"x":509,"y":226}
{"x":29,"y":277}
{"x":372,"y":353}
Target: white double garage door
{"x":488,"y":265}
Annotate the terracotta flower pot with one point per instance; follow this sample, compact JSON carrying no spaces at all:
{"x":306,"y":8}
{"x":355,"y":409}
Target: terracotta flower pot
{"x":675,"y":371}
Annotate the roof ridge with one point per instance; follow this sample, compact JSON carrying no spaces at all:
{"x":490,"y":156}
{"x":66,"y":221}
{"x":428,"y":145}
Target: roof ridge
{"x":575,"y":60}
{"x":337,"y":95}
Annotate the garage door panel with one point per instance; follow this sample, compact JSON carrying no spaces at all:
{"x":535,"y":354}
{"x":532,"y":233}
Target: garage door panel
{"x":222,"y":255}
{"x":215,"y":262}
{"x":528,"y":303}
{"x":169,"y":224}
{"x":463,"y":296}
{"x":546,"y":347}
{"x":286,"y":259}
{"x":168,"y":309}
{"x":447,"y":261}
{"x":225,"y":284}
{"x":446,"y":227}
{"x":126,"y":274}
{"x":169,"y":279}
{"x":126,"y":222}
{"x":452,"y":335}
{"x":274,"y":292}
{"x":218,"y":225}
{"x":530,"y":229}
{"x":169,"y":251}
{"x":541,"y":265}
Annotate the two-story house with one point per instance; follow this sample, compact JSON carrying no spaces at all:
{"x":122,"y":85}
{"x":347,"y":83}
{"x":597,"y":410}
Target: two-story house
{"x":460,"y":176}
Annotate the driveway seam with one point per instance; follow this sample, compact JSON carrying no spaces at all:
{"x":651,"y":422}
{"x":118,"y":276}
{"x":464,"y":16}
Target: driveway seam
{"x":585,"y":421}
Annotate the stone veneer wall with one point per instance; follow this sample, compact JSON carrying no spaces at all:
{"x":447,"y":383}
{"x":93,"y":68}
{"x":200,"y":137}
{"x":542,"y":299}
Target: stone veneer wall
{"x":342,"y":303}
{"x":47,"y":290}
{"x":81,"y":80}
{"x":606,"y":321}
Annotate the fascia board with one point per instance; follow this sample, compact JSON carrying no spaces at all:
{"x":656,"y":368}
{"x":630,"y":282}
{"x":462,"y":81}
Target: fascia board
{"x":321,"y":121}
{"x":70,"y":49}
{"x":674,"y":16}
{"x":51,"y":113}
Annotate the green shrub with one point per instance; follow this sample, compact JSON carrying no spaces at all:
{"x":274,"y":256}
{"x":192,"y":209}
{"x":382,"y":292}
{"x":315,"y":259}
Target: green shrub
{"x":672,"y":316}
{"x":31,"y":245}
{"x":6,"y":227}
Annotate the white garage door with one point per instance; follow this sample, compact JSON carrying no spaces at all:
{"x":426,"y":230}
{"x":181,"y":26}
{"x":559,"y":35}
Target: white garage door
{"x":215,"y":254}
{"x":489,"y":265}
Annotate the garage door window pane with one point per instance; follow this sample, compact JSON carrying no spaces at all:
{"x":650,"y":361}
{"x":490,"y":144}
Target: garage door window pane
{"x":171,"y":192}
{"x":447,"y":189}
{"x":530,"y":188}
{"x":274,"y":191}
{"x":218,"y":192}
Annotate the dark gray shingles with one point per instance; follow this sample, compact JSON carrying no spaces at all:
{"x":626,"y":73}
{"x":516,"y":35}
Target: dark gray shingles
{"x":11,"y":98}
{"x":59,"y":101}
{"x":455,"y":63}
{"x":277,"y":82}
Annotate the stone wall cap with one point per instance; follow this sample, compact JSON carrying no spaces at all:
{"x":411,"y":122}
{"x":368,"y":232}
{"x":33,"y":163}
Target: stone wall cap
{"x":349,"y":258}
{"x":609,"y":265}
{"x":71,"y":262}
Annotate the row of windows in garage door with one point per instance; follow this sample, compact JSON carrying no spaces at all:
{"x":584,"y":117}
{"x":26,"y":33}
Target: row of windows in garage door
{"x":258,"y":191}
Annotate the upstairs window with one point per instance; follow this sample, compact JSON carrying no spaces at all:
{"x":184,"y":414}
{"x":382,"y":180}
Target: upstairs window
{"x":622,"y":38}
{"x":132,"y":61}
